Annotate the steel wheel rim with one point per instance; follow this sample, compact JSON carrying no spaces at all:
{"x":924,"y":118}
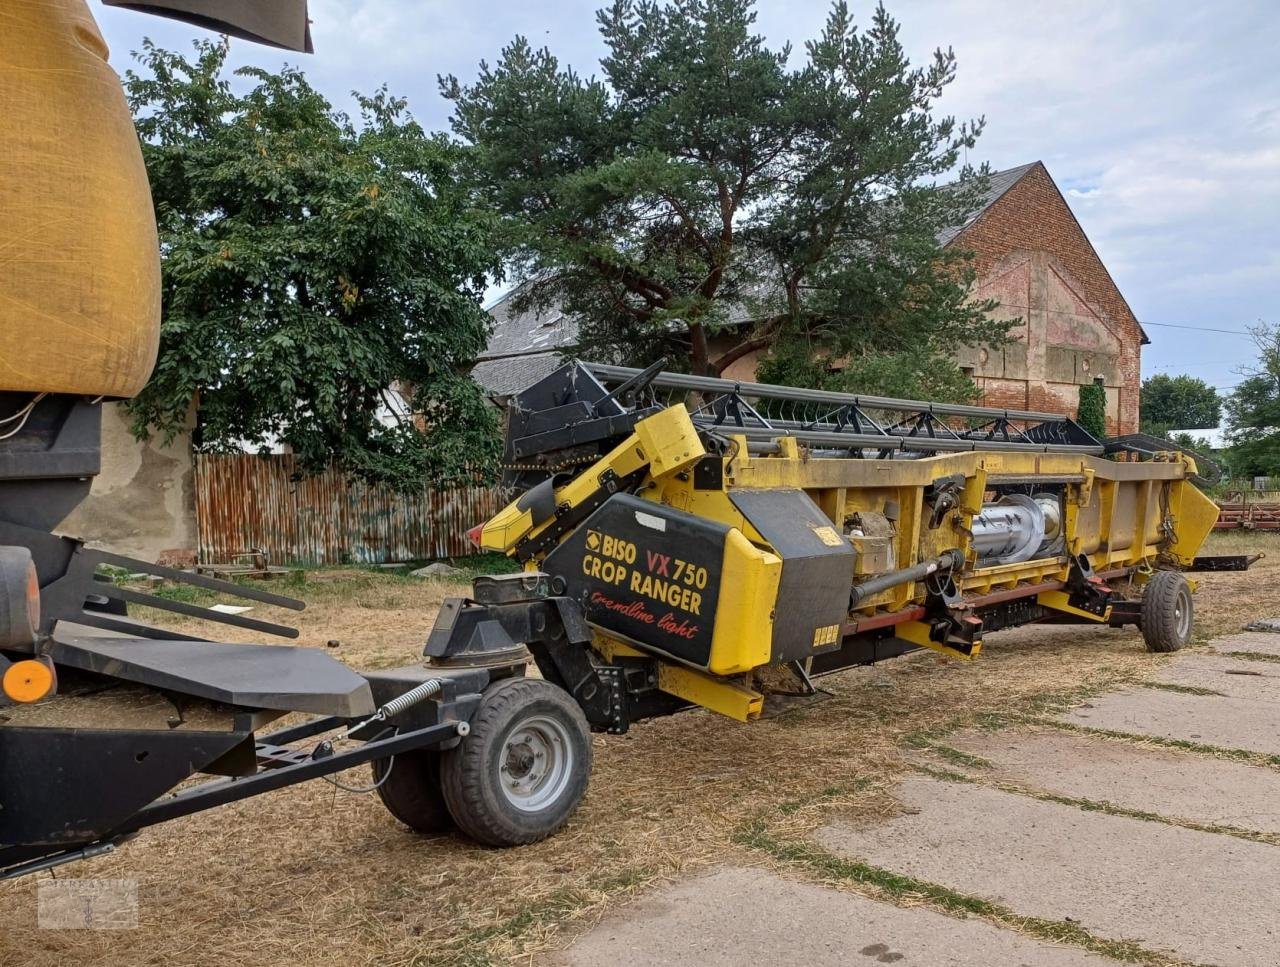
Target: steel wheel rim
{"x":1182,"y":614}
{"x":535,"y":764}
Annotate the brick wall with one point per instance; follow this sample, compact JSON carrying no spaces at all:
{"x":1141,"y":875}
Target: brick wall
{"x":1032,"y":219}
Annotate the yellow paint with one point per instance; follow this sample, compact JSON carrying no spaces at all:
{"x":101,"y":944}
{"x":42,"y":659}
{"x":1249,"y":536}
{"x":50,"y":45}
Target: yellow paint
{"x":1061,"y":601}
{"x":611,"y":647}
{"x":918,"y":633}
{"x":504,"y":529}
{"x":670,"y":440}
{"x":80,"y":302}
{"x":743,"y":636}
{"x":1194,"y":515}
{"x":664,"y":443}
{"x":727,"y":698}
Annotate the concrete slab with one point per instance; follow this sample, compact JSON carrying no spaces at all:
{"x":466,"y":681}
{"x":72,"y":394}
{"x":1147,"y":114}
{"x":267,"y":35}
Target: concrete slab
{"x":1182,"y":785}
{"x":1237,"y":677}
{"x":1263,"y":643}
{"x":1230,"y":723}
{"x":1201,"y":896}
{"x":737,"y":916}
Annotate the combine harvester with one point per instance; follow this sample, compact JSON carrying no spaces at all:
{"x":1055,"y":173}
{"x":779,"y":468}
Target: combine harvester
{"x":686,"y":542}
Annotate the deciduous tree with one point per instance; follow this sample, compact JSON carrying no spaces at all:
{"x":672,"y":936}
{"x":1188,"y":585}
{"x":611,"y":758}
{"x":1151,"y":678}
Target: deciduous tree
{"x":311,"y":262}
{"x":1178,"y":403}
{"x":1253,"y":410}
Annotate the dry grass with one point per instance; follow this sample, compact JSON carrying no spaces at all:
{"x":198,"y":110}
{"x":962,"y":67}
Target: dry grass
{"x":310,"y":875}
{"x":379,"y":618}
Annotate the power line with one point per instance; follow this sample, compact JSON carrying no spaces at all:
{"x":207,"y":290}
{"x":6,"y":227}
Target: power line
{"x":1173,"y":325}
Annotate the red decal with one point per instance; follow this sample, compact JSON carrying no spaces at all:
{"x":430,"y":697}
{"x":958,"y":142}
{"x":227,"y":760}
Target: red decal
{"x":628,"y":609}
{"x":659,"y":563}
{"x":681,"y":629}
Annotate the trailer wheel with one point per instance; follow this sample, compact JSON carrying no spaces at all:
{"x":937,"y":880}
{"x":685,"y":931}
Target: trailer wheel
{"x":521,"y":772}
{"x":411,"y":791}
{"x":1167,"y":612}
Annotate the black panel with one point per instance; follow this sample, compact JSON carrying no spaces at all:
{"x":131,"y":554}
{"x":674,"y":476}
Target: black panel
{"x":280,"y":23}
{"x":251,"y":676}
{"x":648,"y":572}
{"x":47,"y":465}
{"x":73,"y":785}
{"x":817,"y":569}
{"x":567,"y":418}
{"x":708,"y":473}
{"x":864,"y":649}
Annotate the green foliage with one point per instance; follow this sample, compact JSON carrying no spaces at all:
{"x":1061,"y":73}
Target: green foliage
{"x":910,"y":373}
{"x":1178,"y":402}
{"x":703,"y":187}
{"x":1192,"y":442}
{"x":1253,"y":410}
{"x":1092,"y":411}
{"x":487,"y":563}
{"x":310,"y":263}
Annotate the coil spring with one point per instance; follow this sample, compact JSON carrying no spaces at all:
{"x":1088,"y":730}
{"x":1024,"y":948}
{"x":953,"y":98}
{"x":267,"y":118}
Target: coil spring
{"x":419,"y":693}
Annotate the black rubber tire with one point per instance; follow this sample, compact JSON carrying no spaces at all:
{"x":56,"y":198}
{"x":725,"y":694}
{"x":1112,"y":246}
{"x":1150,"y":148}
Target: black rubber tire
{"x":471,"y":773}
{"x":412,"y":792}
{"x":19,"y":598}
{"x":1167,"y":612}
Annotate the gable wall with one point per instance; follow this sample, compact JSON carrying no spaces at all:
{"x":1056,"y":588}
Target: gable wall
{"x":1033,"y":256}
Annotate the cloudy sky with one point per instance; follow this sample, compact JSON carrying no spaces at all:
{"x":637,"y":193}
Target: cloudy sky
{"x":1159,"y":119}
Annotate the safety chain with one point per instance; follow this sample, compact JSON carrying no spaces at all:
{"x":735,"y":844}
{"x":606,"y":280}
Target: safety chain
{"x":553,"y":468}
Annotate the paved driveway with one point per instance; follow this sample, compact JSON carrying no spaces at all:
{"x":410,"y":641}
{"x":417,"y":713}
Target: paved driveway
{"x":1141,"y":826}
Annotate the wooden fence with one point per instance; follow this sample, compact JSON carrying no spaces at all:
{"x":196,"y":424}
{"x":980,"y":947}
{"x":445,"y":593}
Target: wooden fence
{"x":246,"y":502}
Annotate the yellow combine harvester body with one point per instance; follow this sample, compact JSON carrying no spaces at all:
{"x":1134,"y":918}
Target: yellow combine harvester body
{"x":702,"y":541}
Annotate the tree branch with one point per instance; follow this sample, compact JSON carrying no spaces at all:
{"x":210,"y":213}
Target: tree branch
{"x":652,"y":291}
{"x":766,"y":330}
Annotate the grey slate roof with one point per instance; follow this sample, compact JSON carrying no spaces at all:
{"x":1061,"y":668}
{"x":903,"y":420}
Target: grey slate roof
{"x":511,"y":374}
{"x":524,"y":348}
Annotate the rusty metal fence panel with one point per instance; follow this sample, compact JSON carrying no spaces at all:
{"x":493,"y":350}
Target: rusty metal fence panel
{"x":244,"y":501}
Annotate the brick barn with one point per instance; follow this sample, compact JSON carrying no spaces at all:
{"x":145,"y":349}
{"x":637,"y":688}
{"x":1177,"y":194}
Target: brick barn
{"x":1035,"y":259}
{"x":1032,"y":256}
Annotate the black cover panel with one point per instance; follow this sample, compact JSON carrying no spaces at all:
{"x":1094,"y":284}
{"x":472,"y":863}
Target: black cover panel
{"x":252,"y":676}
{"x":279,"y":23}
{"x":647,"y":571}
{"x":72,"y":786}
{"x":817,"y":569}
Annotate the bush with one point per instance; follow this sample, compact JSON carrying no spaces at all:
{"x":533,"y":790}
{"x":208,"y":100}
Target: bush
{"x":1092,"y":411}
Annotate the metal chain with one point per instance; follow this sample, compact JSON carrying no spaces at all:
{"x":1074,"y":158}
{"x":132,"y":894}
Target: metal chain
{"x":553,"y":468}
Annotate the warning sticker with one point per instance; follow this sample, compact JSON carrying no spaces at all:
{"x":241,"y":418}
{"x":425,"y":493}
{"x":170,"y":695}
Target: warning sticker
{"x":828,"y":536}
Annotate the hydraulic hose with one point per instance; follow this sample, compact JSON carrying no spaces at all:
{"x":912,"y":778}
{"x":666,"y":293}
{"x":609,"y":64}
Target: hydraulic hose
{"x":947,"y":561}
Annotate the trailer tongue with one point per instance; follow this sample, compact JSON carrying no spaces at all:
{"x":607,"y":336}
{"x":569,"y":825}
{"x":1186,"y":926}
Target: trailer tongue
{"x":685,"y":542}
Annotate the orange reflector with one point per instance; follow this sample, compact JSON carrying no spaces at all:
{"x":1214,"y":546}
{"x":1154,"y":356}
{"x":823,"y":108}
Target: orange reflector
{"x":28,"y":681}
{"x":33,"y":600}
{"x":473,"y":535}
